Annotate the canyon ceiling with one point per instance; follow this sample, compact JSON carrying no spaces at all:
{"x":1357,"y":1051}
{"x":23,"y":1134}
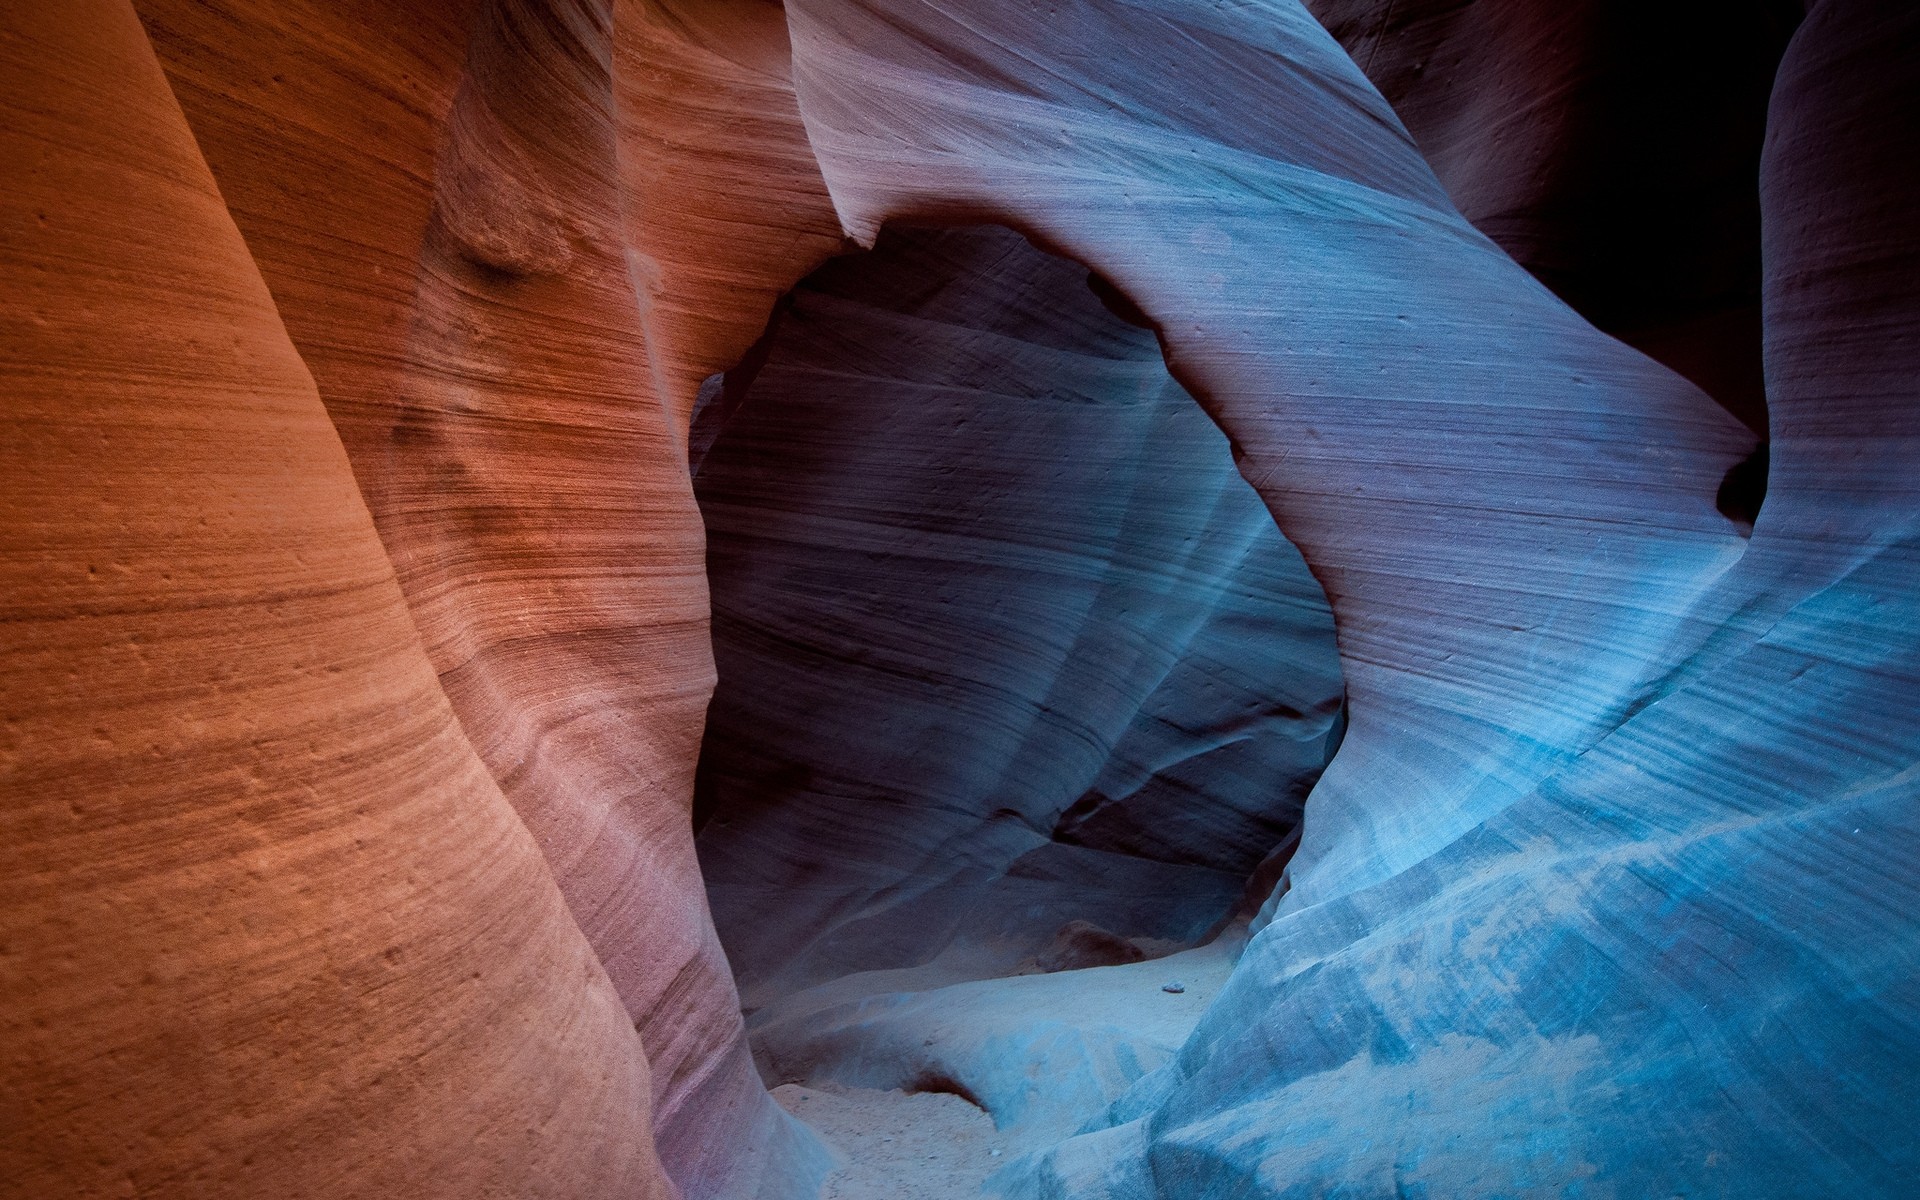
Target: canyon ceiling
{"x":1292,"y":599}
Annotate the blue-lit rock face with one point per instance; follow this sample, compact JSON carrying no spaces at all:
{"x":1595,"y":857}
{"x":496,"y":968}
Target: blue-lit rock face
{"x":1609,"y":889}
{"x":1016,"y":671}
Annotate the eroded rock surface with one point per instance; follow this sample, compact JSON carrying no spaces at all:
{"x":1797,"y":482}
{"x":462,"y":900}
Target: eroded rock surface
{"x":353,"y":632}
{"x":1522,"y":703}
{"x":1016,"y":673}
{"x":270,"y":926}
{"x":1004,"y":640}
{"x":1611,"y":148}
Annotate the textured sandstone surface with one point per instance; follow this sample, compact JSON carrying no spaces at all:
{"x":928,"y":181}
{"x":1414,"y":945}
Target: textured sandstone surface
{"x":1503,"y":585}
{"x":1539,"y":724}
{"x":270,"y":927}
{"x":986,"y":705}
{"x":725,"y":205}
{"x":454,"y":242}
{"x":1089,"y":686}
{"x":354,"y":646}
{"x":1611,"y":148}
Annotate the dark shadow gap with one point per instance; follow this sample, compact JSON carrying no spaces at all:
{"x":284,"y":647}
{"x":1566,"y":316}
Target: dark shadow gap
{"x":1016,"y":674}
{"x":1744,"y":489}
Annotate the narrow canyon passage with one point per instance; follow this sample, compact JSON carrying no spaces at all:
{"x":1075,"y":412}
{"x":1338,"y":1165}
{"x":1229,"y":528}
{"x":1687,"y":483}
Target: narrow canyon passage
{"x":1019,"y":685}
{"x":415,"y":411}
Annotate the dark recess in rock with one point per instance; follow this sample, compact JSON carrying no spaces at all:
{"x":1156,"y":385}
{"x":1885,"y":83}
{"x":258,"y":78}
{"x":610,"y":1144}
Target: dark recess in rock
{"x":981,"y":570}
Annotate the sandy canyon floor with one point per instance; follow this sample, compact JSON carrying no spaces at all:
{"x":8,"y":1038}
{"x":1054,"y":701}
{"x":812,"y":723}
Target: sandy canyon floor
{"x":897,"y":1145}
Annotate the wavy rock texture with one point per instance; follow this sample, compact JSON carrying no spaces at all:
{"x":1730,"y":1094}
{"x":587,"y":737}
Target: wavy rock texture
{"x":336,"y":872}
{"x":270,"y":928}
{"x":1610,"y":148}
{"x":1553,"y":714}
{"x":454,"y":235}
{"x":1006,"y":645}
{"x":725,"y":205}
{"x":1571,"y":481}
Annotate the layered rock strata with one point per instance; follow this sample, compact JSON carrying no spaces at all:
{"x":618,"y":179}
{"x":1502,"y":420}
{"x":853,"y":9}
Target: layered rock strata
{"x":1616,"y":163}
{"x":1006,"y":645}
{"x":347,"y":751}
{"x":435,"y":199}
{"x":1523,"y":702}
{"x":458,"y":208}
{"x":270,"y":926}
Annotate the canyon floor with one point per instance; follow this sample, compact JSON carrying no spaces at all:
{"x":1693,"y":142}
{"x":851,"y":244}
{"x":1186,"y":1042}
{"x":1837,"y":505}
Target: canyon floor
{"x":898,"y":1145}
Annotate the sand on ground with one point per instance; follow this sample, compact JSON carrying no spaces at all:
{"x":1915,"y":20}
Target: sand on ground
{"x":899,"y":1145}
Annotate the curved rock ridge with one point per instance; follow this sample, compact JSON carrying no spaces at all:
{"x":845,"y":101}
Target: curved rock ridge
{"x":354,"y":645}
{"x":1305,"y":279}
{"x":1725,"y":994}
{"x":267,"y":926}
{"x":725,"y":205}
{"x":1612,"y":149}
{"x":455,"y":204}
{"x":1005,"y":642}
{"x":1557,"y":788}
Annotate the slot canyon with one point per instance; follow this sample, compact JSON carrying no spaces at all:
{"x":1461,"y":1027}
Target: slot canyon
{"x":1046,"y":599}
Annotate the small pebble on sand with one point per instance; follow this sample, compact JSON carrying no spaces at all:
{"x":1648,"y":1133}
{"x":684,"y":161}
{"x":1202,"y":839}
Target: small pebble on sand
{"x":1176,"y":987}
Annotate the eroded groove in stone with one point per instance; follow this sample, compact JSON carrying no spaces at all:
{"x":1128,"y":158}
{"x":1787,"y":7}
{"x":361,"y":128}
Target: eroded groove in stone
{"x":1610,"y":148}
{"x":457,"y":207}
{"x":330,"y":872}
{"x":1016,"y":671}
{"x":1544,"y":712}
{"x":270,"y":928}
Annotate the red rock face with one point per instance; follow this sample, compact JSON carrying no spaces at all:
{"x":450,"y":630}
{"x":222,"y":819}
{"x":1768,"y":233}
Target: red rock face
{"x":725,"y":208}
{"x":272,"y":929}
{"x":435,"y":200}
{"x":354,"y":645}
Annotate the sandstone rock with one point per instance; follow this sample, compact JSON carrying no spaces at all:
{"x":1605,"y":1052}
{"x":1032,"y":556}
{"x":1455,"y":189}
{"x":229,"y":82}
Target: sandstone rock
{"x":354,"y":647}
{"x":1005,"y":642}
{"x":442,"y":198}
{"x":1610,"y":148}
{"x":267,"y":926}
{"x":1557,"y":715}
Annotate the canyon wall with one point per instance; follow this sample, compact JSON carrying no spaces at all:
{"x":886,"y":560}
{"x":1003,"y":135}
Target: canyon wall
{"x":1611,"y":148}
{"x":1555,"y":648}
{"x":271,"y":927}
{"x":1005,"y":642}
{"x":356,"y":647}
{"x":435,"y":198}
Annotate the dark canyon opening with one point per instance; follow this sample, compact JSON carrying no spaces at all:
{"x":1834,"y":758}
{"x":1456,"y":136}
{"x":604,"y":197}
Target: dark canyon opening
{"x":1016,"y":674}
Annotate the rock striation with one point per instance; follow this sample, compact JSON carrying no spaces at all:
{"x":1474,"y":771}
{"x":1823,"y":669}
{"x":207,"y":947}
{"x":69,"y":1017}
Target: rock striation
{"x":270,"y":926}
{"x":1616,"y":164}
{"x":1006,"y":645}
{"x":435,"y":199}
{"x":354,"y":593}
{"x":1556,"y":715}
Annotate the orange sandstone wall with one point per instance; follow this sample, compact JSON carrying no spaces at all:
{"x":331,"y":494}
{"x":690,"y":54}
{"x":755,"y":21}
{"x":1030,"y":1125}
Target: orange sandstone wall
{"x":463,"y":243}
{"x":355,"y":627}
{"x":725,"y":207}
{"x":267,"y":926}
